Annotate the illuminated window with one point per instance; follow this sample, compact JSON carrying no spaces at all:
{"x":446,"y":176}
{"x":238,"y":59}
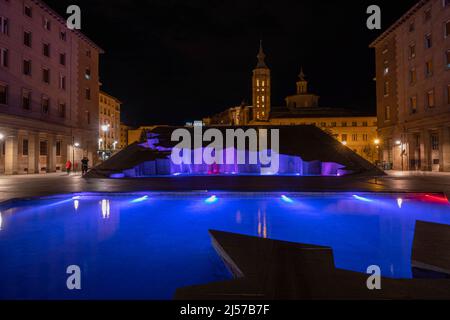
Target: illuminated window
{"x":413,"y":104}
{"x":430,"y":99}
{"x":386,"y":88}
{"x":412,"y":76}
{"x":429,"y":68}
{"x":387,"y":113}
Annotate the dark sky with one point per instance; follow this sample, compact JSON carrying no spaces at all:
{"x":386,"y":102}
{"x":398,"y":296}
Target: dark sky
{"x":173,"y":61}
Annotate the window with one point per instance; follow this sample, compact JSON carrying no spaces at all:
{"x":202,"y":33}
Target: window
{"x":333,"y":124}
{"x":427,"y":15}
{"x":354,"y":137}
{"x":429,"y":68}
{"x":88,"y":117}
{"x":445,"y":3}
{"x":387,"y":113}
{"x":4,"y":25}
{"x":344,"y":137}
{"x":58,"y":148}
{"x":87,"y":73}
{"x":43,"y":148}
{"x":354,"y":124}
{"x":386,"y":67}
{"x":447,"y":59}
{"x":62,"y":59}
{"x":447,"y":29}
{"x":412,"y":76}
{"x":46,"y":24}
{"x":412,"y":26}
{"x":25,"y":147}
{"x":46,"y":75}
{"x":448,"y":94}
{"x":386,"y":88}
{"x":344,"y":124}
{"x":413,"y":104}
{"x":46,"y":49}
{"x":62,"y":35}
{"x":3,"y":94}
{"x":88,"y":93}
{"x":62,"y":82}
{"x":428,"y":41}
{"x":27,"y":38}
{"x":365,"y":137}
{"x":62,"y":110}
{"x":430,"y":99}
{"x":88,"y":54}
{"x":365,"y":124}
{"x":435,"y":142}
{"x":45,"y":105}
{"x":26,"y":99}
{"x":27,"y":67}
{"x":412,"y":51}
{"x":4,"y":57}
{"x":28,"y":11}
{"x":322,"y":124}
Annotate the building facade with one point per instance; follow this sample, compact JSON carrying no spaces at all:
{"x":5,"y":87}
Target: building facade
{"x":109,"y":123}
{"x":48,"y":104}
{"x":413,"y":89}
{"x":124,"y":135}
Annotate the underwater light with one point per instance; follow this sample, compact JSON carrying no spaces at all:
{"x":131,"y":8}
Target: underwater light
{"x":1,"y":221}
{"x":139,"y":199}
{"x":211,"y":199}
{"x":286,"y":199}
{"x":177,"y":174}
{"x":400,"y":202}
{"x":361,"y":198}
{"x":76,"y":204}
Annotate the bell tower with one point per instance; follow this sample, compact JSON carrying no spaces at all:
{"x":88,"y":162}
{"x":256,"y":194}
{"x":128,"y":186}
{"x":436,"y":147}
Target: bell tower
{"x":261,"y":88}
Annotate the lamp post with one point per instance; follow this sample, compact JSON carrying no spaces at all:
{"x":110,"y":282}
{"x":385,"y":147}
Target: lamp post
{"x":74,"y":145}
{"x":105,"y":129}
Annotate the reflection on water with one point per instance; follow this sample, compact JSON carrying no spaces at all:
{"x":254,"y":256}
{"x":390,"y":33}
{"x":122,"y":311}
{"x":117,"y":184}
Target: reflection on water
{"x":105,"y":208}
{"x":262,"y":224}
{"x":138,"y":247}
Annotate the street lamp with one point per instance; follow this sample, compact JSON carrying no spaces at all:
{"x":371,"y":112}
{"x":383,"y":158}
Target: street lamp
{"x":74,"y":145}
{"x":105,"y":129}
{"x":2,"y":136}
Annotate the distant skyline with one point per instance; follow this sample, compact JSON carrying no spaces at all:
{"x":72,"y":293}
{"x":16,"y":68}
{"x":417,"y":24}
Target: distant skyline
{"x":174,"y":61}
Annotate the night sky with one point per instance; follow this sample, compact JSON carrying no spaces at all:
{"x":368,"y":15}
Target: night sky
{"x":174,"y":61}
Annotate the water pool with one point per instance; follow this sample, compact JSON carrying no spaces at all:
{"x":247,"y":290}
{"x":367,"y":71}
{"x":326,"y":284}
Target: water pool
{"x":144,"y":246}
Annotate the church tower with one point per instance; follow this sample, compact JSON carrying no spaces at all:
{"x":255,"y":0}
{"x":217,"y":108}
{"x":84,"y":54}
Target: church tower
{"x":261,"y":88}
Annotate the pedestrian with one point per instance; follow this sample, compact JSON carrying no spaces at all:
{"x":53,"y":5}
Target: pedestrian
{"x":84,"y":165}
{"x":68,"y":166}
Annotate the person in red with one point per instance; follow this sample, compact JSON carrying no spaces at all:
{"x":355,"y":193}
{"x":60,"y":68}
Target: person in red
{"x":68,"y":166}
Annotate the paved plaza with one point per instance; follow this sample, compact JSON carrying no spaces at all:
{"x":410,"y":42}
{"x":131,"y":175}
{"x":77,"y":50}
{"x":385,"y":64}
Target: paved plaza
{"x":26,"y":186}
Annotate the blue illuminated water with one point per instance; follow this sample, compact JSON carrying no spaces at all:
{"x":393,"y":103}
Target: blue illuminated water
{"x":144,"y":246}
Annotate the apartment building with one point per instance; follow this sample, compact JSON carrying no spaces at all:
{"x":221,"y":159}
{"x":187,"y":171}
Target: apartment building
{"x":49,"y":87}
